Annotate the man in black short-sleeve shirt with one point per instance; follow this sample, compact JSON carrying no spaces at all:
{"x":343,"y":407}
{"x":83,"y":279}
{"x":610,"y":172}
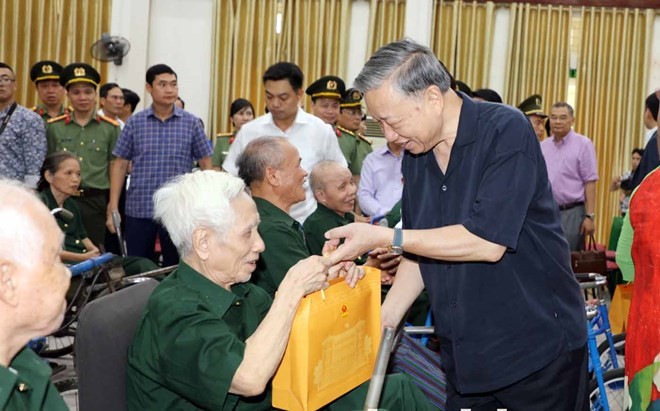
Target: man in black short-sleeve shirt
{"x":482,"y":233}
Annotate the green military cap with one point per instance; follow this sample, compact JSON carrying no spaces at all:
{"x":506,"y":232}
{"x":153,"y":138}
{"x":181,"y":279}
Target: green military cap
{"x":45,"y":70}
{"x":79,"y":72}
{"x":351,"y":98}
{"x":532,"y":106}
{"x":328,"y":87}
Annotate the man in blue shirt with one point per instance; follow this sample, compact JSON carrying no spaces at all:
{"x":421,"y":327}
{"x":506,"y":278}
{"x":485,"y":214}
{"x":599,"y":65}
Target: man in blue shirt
{"x":482,"y":233}
{"x":162,"y":142}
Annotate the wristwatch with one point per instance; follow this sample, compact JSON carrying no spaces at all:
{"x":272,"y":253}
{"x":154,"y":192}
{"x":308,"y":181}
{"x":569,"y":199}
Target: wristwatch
{"x":591,"y":216}
{"x":396,"y":247}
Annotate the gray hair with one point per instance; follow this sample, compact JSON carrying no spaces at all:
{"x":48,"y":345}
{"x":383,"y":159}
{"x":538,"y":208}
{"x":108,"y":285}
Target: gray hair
{"x":411,"y":66}
{"x":193,"y":200}
{"x":21,"y":237}
{"x":561,"y":104}
{"x":258,"y":155}
{"x":320,"y":170}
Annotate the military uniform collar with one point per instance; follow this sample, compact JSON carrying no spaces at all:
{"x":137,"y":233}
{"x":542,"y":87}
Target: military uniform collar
{"x":347,"y":218}
{"x":265,"y":207}
{"x":70,"y":118}
{"x":218,"y":297}
{"x":345,"y":130}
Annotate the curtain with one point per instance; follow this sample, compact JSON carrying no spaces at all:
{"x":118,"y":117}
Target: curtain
{"x":386,"y":23}
{"x":462,"y":38}
{"x":612,"y":76}
{"x":59,"y":30}
{"x":538,"y":54}
{"x":314,"y":35}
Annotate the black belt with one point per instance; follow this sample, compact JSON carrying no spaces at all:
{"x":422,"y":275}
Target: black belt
{"x":570,"y":205}
{"x":92,"y":192}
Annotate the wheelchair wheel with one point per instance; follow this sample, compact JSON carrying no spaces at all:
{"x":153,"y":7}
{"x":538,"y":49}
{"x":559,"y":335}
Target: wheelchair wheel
{"x":59,"y":344}
{"x":614,"y":391}
{"x":620,"y":348}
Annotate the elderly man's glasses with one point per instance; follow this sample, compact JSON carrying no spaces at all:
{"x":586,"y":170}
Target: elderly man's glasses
{"x":6,"y":80}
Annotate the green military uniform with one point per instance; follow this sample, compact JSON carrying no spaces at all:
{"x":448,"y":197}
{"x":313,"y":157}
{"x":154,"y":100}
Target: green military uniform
{"x":26,"y":385}
{"x":42,"y":111}
{"x":394,"y":215}
{"x":223,"y":142}
{"x":320,"y":221}
{"x":74,"y":234}
{"x":191,"y":340}
{"x":46,"y":70}
{"x":285,"y":246}
{"x":354,"y":146}
{"x":93,"y":144}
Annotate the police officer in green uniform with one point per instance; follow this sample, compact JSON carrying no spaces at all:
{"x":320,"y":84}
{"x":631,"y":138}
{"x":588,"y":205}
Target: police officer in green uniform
{"x":46,"y":77}
{"x":326,"y":94}
{"x":240,"y":112}
{"x":354,"y":145}
{"x":33,"y":283}
{"x":211,"y":340}
{"x":531,"y":106}
{"x":92,"y":138}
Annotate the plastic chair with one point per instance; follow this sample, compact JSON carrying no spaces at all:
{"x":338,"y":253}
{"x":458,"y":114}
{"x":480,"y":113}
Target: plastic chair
{"x":106,"y":328}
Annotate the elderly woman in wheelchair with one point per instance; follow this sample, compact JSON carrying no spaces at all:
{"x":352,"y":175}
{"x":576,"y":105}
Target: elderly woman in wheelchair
{"x":60,"y":180}
{"x":210,"y":339}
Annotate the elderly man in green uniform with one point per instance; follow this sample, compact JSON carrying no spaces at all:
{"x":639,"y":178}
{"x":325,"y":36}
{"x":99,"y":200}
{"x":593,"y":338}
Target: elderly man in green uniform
{"x":334,"y":191}
{"x":92,"y":138}
{"x":531,"y":106}
{"x":33,"y":282}
{"x":211,"y":340}
{"x":46,"y":77}
{"x":326,"y":94}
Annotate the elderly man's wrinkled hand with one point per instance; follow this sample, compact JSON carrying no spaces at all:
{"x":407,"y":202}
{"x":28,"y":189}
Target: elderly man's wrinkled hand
{"x":383,"y":260}
{"x":310,"y":274}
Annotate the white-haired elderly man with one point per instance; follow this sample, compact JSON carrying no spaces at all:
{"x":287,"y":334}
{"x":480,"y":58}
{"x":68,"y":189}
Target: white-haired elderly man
{"x":209,"y":339}
{"x":33,"y":282}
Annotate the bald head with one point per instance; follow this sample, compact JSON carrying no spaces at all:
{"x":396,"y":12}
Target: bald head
{"x":333,"y":186}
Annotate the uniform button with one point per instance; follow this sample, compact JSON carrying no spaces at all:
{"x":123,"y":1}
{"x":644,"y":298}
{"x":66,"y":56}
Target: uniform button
{"x":237,"y":304}
{"x":84,"y":250}
{"x":65,"y":149}
{"x":82,"y":143}
{"x":77,"y":241}
{"x":80,"y":158}
{"x":556,"y":316}
{"x":97,"y":149}
{"x":444,"y":187}
{"x":66,"y":225}
{"x":22,"y":387}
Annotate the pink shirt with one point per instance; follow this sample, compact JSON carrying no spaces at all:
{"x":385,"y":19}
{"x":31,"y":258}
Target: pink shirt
{"x":571,"y":164}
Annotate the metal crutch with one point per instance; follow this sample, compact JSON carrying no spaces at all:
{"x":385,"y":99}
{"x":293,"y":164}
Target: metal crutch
{"x":116,"y":220}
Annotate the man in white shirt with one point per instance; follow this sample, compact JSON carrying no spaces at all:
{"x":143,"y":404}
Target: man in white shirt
{"x":111,"y":100}
{"x":314,"y":139}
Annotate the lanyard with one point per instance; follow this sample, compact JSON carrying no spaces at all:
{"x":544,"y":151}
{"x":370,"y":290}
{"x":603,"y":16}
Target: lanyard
{"x":6,"y":119}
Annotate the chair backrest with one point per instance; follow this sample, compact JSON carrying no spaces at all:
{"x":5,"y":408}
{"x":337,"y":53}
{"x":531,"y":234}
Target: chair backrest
{"x":106,"y":328}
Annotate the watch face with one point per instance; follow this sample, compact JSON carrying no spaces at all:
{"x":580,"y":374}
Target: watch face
{"x":396,"y":250}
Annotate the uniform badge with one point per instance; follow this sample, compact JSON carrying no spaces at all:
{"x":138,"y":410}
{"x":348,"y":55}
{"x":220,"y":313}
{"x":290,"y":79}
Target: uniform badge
{"x":331,"y":85}
{"x":356,"y":95}
{"x":47,"y":69}
{"x":79,"y":71}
